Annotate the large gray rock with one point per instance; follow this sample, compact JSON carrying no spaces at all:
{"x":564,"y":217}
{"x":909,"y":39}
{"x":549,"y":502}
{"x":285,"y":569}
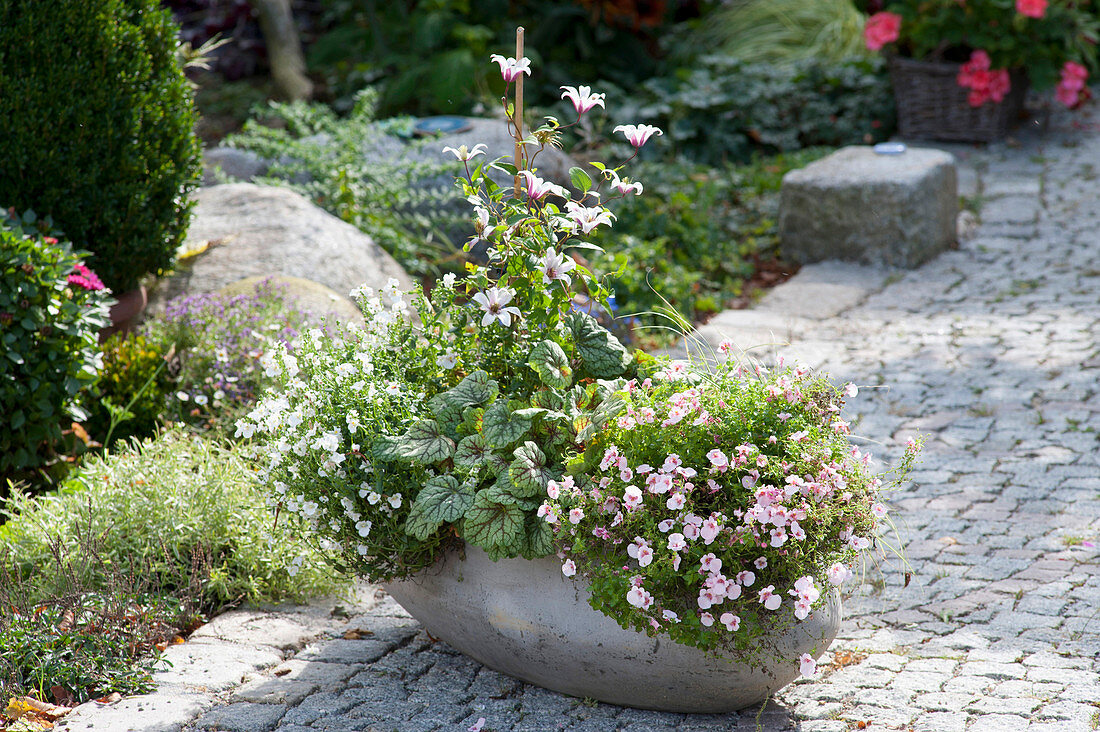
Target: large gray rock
{"x":232,"y":163}
{"x":248,"y":230}
{"x":893,"y":210}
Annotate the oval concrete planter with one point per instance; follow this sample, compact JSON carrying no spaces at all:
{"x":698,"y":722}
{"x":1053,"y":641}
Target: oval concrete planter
{"x":524,"y":619}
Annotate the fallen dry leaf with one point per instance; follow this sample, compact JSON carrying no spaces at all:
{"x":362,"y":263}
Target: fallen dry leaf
{"x":282,"y":671}
{"x":847,"y":658}
{"x":110,"y":698}
{"x":357,"y":634}
{"x":949,"y":540}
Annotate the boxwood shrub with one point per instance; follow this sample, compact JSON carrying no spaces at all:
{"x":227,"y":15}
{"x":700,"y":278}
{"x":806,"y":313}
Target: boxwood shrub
{"x":97,"y":128}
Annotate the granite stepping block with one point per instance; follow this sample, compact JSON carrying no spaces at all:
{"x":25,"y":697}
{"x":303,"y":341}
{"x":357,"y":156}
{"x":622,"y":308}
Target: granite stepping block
{"x":894,"y":210}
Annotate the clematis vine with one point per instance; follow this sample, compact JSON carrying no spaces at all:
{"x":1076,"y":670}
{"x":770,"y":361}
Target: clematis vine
{"x":537,"y":188}
{"x":624,"y":186}
{"x":587,"y":218}
{"x":463,"y":153}
{"x":556,"y":267}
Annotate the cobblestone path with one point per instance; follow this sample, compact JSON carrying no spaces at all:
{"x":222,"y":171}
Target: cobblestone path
{"x":992,"y":351}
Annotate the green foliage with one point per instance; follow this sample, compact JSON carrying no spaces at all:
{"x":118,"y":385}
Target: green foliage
{"x":778,"y":31}
{"x":96,"y":128}
{"x":345,"y":166}
{"x":725,"y":109}
{"x":51,"y":311}
{"x":429,"y":57}
{"x":694,"y":237}
{"x":133,"y":387}
{"x":171,"y":505}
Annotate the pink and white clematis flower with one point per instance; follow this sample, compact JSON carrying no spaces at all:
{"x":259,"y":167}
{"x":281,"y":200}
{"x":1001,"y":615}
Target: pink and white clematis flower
{"x":463,"y":153}
{"x":624,"y":187}
{"x":637,"y":135}
{"x":494,"y":302}
{"x":510,"y":68}
{"x":582,"y":97}
{"x":537,"y":188}
{"x":588,"y":218}
{"x":557,"y":266}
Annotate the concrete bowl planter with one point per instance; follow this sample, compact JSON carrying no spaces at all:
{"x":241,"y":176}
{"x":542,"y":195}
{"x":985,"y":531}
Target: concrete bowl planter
{"x":524,"y":619}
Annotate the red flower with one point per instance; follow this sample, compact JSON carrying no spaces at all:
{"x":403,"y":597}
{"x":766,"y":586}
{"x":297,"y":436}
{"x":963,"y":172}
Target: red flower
{"x":985,"y":84}
{"x":881,"y":28}
{"x":1032,"y":8}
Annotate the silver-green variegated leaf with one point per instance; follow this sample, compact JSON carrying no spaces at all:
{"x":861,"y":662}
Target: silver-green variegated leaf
{"x":442,"y":500}
{"x":529,"y":472}
{"x":473,"y":452}
{"x":503,"y":427}
{"x":476,"y":390}
{"x":601,"y":353}
{"x":538,"y":538}
{"x":490,"y":524}
{"x":548,"y":400}
{"x":387,"y":449}
{"x":447,"y":414}
{"x":551,"y":364}
{"x":502,"y":491}
{"x":425,"y":443}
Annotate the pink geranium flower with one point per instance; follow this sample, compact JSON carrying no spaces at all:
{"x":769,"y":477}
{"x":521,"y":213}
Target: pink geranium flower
{"x":1032,"y":8}
{"x":84,"y":277}
{"x":881,"y":28}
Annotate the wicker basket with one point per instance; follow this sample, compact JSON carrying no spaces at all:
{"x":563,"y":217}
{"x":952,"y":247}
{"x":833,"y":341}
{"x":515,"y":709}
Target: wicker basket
{"x":932,"y":105}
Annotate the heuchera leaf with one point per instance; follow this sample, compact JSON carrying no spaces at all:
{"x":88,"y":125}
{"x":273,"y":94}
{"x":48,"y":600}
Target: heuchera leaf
{"x":529,"y":472}
{"x":425,"y":443}
{"x":602,"y":356}
{"x":447,"y":413}
{"x":442,"y":500}
{"x":501,"y":426}
{"x":489,"y":524}
{"x":473,"y":452}
{"x":387,"y":448}
{"x":551,"y":364}
{"x":548,"y":400}
{"x":475,"y":390}
{"x":538,"y":538}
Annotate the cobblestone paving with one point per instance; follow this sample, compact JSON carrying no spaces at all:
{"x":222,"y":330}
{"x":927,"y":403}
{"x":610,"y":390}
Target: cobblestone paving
{"x":992,"y":351}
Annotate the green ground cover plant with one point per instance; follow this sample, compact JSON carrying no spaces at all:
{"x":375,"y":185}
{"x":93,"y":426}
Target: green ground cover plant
{"x":341,"y":164}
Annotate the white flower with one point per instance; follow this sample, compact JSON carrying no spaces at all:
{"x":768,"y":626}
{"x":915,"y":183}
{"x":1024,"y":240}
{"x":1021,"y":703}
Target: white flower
{"x":588,"y":218}
{"x":464,"y":154}
{"x":637,"y":135}
{"x":556,"y":266}
{"x":494,"y":302}
{"x":624,"y":187}
{"x":510,"y":68}
{"x":448,"y":360}
{"x":449,"y":279}
{"x":538,"y":188}
{"x":582,"y":97}
{"x":569,"y":568}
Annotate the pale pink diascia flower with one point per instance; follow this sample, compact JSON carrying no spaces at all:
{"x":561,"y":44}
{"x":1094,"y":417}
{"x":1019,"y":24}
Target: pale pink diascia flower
{"x":638,"y":135}
{"x":1032,"y":8}
{"x":494,"y":302}
{"x":675,"y":502}
{"x":569,"y":568}
{"x":510,"y":68}
{"x":575,"y":515}
{"x":464,"y":154}
{"x":851,"y":390}
{"x":582,"y":97}
{"x":807,"y":666}
{"x":839,"y":574}
{"x":632,"y":497}
{"x":476,"y":726}
{"x":746,"y":578}
{"x":587,"y":218}
{"x":731,"y":621}
{"x":638,"y":597}
{"x":706,"y":619}
{"x":556,"y":266}
{"x":768,"y":598}
{"x":880,"y":29}
{"x":676,"y":542}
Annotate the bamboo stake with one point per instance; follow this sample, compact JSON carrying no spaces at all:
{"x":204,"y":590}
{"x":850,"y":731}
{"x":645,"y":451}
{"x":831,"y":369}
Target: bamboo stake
{"x":518,"y":117}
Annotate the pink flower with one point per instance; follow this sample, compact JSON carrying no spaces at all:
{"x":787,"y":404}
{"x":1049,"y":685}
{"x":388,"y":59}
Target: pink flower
{"x":731,"y":621}
{"x":881,"y":28}
{"x":709,"y":530}
{"x":637,"y":135}
{"x":676,"y":542}
{"x":985,"y":84}
{"x":839,"y":574}
{"x":582,"y":97}
{"x":768,"y":598}
{"x":710,"y":563}
{"x":556,"y":266}
{"x":675,"y":502}
{"x":575,"y":515}
{"x":632,"y":497}
{"x":638,"y":597}
{"x":588,"y":218}
{"x":807,"y":666}
{"x":84,"y":277}
{"x":476,"y":726}
{"x":746,"y":578}
{"x":625,"y":187}
{"x":569,"y":568}
{"x":538,"y":188}
{"x":1071,"y":89}
{"x":1031,"y":8}
{"x":510,"y":68}
{"x":706,"y":619}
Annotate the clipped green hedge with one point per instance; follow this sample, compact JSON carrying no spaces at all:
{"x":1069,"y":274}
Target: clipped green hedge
{"x":97,"y":128}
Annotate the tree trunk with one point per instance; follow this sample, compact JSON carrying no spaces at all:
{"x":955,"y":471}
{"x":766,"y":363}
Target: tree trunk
{"x":284,"y":51}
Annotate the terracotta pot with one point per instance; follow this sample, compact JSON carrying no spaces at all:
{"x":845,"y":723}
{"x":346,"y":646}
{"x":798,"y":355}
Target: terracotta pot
{"x":524,"y":619}
{"x":125,"y":313}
